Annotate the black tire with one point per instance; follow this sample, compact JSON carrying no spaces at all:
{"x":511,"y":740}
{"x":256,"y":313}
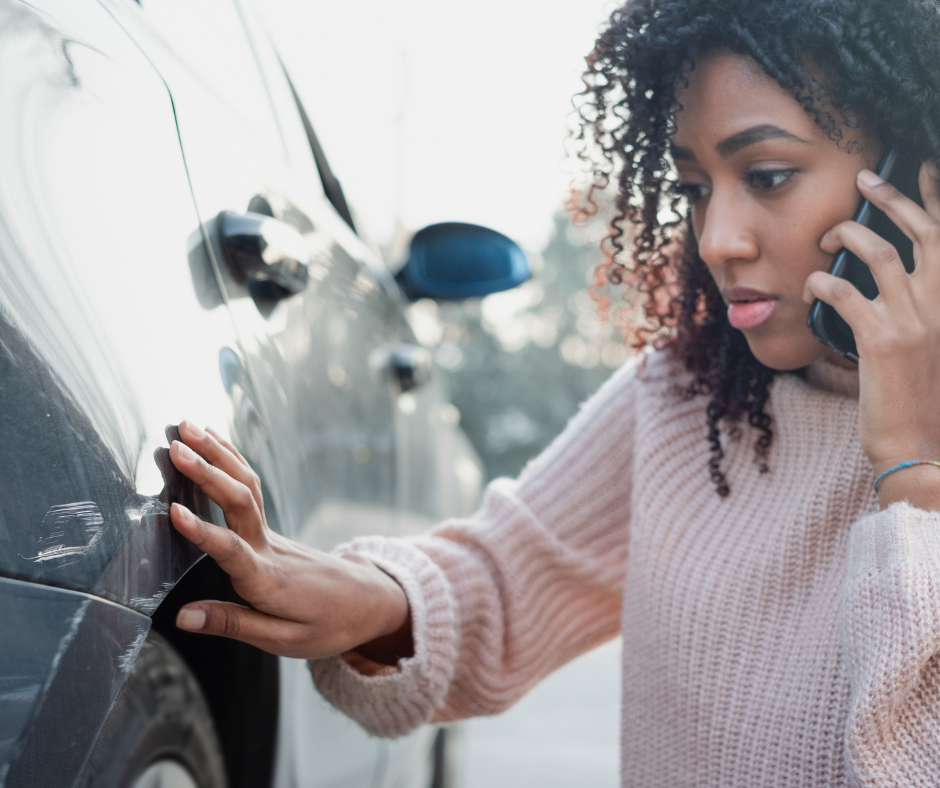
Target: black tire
{"x":159,"y":716}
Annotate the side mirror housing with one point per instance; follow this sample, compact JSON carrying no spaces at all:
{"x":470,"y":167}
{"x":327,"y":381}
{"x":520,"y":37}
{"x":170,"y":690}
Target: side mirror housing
{"x":452,"y":260}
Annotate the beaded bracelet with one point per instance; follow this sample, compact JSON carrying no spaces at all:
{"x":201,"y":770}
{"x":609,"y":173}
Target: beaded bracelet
{"x":901,"y":466}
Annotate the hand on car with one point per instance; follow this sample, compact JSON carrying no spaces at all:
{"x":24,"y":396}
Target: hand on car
{"x":303,"y":602}
{"x":897,"y":335}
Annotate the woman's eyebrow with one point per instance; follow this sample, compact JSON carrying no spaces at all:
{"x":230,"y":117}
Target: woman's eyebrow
{"x":741,"y":139}
{"x":734,"y":143}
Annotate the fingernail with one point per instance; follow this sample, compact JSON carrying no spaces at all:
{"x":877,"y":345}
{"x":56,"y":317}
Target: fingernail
{"x":193,"y":430}
{"x":191,"y":619}
{"x":869,"y":178}
{"x":184,"y":512}
{"x":184,"y":451}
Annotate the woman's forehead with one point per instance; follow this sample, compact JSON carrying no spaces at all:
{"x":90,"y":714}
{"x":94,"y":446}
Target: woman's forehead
{"x":728,"y":93}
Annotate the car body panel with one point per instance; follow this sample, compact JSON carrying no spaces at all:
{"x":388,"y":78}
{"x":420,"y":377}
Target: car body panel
{"x":105,"y":284}
{"x":57,"y":685}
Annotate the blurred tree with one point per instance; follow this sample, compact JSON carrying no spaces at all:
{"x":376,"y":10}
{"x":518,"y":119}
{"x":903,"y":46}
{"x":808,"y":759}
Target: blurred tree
{"x":521,"y":362}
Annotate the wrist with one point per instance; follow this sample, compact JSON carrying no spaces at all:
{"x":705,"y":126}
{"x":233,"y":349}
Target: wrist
{"x":388,"y":636}
{"x":919,"y":485}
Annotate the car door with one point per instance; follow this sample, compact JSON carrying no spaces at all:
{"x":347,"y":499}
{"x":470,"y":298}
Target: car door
{"x":316,"y":357}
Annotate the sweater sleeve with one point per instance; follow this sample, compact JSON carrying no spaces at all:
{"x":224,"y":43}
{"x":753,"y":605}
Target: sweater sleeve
{"x":500,"y":600}
{"x":891,"y":633}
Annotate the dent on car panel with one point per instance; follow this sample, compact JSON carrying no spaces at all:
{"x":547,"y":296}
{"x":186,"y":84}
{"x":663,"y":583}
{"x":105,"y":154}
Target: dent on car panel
{"x":63,"y":658}
{"x":112,"y":324}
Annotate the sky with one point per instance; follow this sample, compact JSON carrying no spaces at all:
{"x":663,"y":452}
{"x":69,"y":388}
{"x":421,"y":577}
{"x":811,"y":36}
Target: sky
{"x":433,"y":110}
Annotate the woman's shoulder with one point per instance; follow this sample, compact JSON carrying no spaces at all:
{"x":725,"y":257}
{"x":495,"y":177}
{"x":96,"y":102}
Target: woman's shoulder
{"x":653,"y":379}
{"x":651,"y":373}
{"x":661,"y":366}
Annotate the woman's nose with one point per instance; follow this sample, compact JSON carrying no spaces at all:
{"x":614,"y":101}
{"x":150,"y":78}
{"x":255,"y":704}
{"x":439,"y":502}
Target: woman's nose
{"x":725,"y":235}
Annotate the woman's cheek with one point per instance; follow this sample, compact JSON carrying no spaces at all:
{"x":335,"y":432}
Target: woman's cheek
{"x":795,"y":244}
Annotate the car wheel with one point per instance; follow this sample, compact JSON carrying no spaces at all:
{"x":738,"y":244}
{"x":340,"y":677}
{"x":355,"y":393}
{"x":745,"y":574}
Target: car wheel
{"x":159,"y":733}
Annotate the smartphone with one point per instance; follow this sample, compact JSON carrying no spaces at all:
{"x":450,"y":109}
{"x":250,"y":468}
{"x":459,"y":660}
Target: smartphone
{"x":902,"y":171}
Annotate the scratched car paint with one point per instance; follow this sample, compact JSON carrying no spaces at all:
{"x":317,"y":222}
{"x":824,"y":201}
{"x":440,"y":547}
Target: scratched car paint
{"x":126,"y":131}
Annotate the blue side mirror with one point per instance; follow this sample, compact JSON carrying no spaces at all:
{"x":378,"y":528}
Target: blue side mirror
{"x":450,"y":261}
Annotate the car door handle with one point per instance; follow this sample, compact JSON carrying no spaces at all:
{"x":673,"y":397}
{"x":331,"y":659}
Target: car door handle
{"x":260,"y":248}
{"x":409,"y":364}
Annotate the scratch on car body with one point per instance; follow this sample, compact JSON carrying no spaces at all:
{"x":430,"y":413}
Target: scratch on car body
{"x":127,"y":659}
{"x":148,"y":604}
{"x":152,"y":506}
{"x":69,"y":529}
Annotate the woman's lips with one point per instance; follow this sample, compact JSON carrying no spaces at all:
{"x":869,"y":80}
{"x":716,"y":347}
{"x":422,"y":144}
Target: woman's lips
{"x":749,"y":314}
{"x":749,"y":308}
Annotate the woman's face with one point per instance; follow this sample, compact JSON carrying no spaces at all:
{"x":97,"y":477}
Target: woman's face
{"x":765,"y":183}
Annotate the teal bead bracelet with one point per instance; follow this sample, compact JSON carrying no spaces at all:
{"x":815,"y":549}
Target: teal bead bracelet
{"x":901,"y":466}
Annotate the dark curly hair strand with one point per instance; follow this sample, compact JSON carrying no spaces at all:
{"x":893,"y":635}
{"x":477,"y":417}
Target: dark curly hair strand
{"x":843,"y":60}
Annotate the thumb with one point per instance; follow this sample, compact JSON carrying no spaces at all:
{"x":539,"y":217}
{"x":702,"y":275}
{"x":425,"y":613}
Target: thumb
{"x":212,"y":618}
{"x":227,"y":619}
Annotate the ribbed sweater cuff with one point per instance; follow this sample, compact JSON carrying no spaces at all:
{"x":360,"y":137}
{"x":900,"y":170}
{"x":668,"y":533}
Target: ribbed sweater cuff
{"x":891,"y":586}
{"x":891,"y":630}
{"x":902,"y":537}
{"x":393,"y":704}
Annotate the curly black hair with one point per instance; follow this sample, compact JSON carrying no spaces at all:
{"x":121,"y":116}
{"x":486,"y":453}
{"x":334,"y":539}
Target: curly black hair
{"x":843,"y":60}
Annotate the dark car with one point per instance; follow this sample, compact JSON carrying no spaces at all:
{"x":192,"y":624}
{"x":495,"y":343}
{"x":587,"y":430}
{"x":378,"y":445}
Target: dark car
{"x":174,"y":244}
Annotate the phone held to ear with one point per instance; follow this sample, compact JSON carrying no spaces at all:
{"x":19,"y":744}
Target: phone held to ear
{"x":901,"y":171}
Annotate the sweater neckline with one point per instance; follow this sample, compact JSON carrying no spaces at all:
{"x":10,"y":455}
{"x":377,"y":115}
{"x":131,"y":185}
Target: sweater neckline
{"x":823,"y":374}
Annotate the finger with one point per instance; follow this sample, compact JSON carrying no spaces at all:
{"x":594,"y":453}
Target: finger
{"x":880,"y":256}
{"x":237,"y":501}
{"x":227,"y":444}
{"x":852,"y":306}
{"x":227,"y":619}
{"x":929,"y":182}
{"x":912,"y":220}
{"x":229,"y":550}
{"x":225,"y":458}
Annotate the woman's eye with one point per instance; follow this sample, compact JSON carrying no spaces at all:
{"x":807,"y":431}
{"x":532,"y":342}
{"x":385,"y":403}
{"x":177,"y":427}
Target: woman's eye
{"x":694,"y":191}
{"x":765,"y":180}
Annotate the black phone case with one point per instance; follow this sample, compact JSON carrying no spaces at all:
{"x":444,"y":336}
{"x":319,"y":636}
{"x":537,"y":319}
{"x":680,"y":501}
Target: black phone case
{"x":902,"y":171}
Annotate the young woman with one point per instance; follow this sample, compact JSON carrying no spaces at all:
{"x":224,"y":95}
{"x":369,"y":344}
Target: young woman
{"x":714,"y":502}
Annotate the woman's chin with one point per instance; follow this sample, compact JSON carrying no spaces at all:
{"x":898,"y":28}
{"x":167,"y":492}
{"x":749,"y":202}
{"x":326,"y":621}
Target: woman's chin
{"x":785,"y":352}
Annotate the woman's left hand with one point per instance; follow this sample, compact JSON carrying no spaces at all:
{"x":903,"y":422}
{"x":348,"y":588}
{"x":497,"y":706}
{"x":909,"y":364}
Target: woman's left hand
{"x":897,"y":335}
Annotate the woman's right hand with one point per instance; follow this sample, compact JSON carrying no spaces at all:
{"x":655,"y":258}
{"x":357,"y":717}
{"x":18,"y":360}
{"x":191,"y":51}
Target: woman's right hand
{"x":303,"y":602}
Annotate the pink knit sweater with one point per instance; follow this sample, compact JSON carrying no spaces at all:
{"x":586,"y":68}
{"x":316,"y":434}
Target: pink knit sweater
{"x":788,"y":635}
